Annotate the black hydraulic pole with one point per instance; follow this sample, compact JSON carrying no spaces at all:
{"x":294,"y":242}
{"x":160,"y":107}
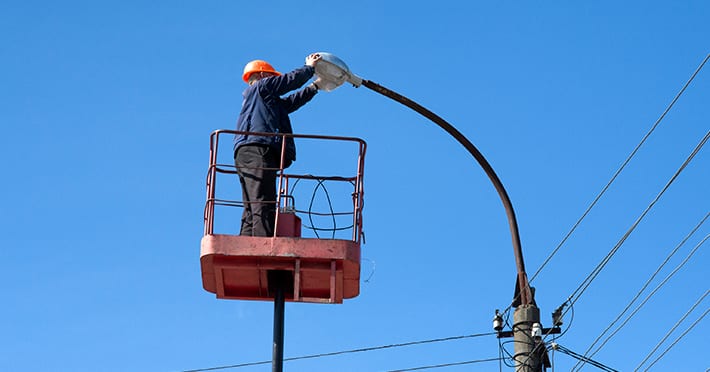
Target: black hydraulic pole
{"x":278,"y":355}
{"x":278,"y":285}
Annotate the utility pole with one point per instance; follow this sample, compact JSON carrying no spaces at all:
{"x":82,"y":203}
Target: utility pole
{"x":530,"y":353}
{"x":526,"y":319}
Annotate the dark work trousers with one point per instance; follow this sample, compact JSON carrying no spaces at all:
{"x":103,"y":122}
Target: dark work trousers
{"x":257,"y":166}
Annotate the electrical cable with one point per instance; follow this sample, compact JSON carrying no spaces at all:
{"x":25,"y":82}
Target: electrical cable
{"x":671,"y":331}
{"x":587,"y":281}
{"x":446,"y":365}
{"x":532,"y":341}
{"x":508,"y":356}
{"x":623,"y":165}
{"x":372,"y":272}
{"x":616,"y":174}
{"x":314,"y":356}
{"x":552,"y":357}
{"x":506,"y":316}
{"x":500,"y":356}
{"x":677,"y":339}
{"x":585,"y":284}
{"x":311,"y":213}
{"x":571,"y":353}
{"x":330,"y":205}
{"x":651,"y":294}
{"x":643,"y":288}
{"x":556,"y":337}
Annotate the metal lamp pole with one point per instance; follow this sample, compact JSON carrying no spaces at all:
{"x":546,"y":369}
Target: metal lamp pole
{"x":527,"y":315}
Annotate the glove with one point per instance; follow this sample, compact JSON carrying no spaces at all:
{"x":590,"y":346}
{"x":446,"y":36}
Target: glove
{"x":312,"y":59}
{"x":319,"y":84}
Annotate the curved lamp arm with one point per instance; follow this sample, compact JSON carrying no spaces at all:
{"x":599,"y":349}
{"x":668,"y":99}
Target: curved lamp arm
{"x":525,"y":295}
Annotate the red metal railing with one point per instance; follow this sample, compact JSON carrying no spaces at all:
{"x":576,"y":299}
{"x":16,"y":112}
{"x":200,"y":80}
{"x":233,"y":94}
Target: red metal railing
{"x":283,"y":201}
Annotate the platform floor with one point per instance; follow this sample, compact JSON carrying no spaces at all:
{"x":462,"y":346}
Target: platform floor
{"x":324,"y":270}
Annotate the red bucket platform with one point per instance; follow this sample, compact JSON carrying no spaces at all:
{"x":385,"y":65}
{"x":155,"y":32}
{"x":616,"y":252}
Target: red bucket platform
{"x":308,"y":269}
{"x":324,"y":270}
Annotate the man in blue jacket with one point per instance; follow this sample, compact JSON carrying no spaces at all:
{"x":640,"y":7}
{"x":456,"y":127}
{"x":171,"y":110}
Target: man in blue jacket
{"x":257,"y":158}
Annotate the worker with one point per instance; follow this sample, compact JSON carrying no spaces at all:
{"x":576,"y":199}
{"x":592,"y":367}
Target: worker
{"x":258,"y":158}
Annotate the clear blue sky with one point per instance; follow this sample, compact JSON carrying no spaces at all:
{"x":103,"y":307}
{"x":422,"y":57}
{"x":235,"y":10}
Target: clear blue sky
{"x":106,"y":110}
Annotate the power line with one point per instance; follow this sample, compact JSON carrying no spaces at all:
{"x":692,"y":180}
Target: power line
{"x":653,"y":292}
{"x":501,"y":359}
{"x":643,"y":288}
{"x":347,"y":351}
{"x":618,"y":171}
{"x":671,"y":331}
{"x":447,"y":365}
{"x":558,"y":347}
{"x":585,"y":284}
{"x":616,"y":174}
{"x":587,"y":281}
{"x":593,"y":275}
{"x":677,"y":339}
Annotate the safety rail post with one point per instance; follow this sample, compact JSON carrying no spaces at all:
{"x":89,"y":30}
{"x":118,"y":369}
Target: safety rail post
{"x":359,"y":189}
{"x":211,"y":184}
{"x":280,"y":191}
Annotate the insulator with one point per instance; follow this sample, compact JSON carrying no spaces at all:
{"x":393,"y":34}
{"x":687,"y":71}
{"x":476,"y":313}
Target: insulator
{"x":557,"y":318}
{"x":536,"y":330}
{"x":557,"y":315}
{"x":498,"y":322}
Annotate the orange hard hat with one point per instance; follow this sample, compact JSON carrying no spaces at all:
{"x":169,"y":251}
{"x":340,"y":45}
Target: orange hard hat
{"x":257,"y":65}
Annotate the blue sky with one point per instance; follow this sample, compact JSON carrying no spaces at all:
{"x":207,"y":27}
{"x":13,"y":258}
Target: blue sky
{"x":106,"y":110}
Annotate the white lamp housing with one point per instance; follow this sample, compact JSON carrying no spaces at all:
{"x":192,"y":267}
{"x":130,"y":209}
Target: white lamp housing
{"x":332,"y":72}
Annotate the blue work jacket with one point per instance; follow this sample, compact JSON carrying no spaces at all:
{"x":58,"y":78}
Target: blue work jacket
{"x":264,"y":110}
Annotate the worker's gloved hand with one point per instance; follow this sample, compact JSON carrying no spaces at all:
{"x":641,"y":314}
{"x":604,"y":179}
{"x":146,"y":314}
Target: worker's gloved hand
{"x":312,"y":59}
{"x":319,"y":84}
